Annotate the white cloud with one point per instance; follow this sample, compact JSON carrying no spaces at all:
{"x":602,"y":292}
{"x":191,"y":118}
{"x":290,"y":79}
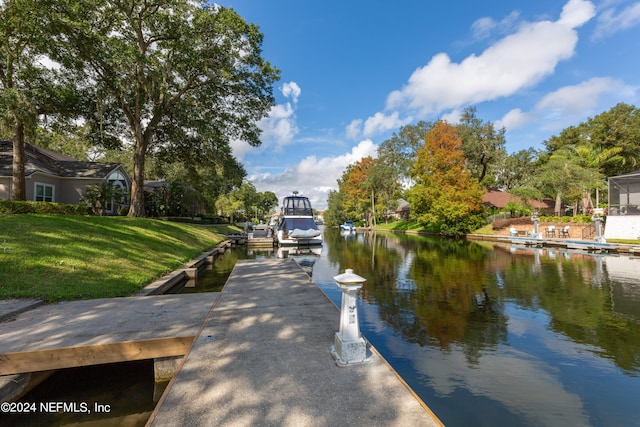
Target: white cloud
{"x":291,"y":89}
{"x":612,"y":21}
{"x":577,"y":13}
{"x":515,"y":62}
{"x":514,"y":119}
{"x":374,"y":125}
{"x":452,"y":117}
{"x":484,"y":27}
{"x":570,"y":104}
{"x":580,"y":97}
{"x":313,"y":177}
{"x":279,"y":128}
{"x":380,"y":122}
{"x":354,"y":129}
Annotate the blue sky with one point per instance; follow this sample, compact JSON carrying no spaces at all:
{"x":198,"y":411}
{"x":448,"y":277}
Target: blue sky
{"x":353,"y":72}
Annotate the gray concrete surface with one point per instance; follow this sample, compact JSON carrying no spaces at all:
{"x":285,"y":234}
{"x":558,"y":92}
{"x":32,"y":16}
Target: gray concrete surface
{"x":101,"y":321}
{"x":263,"y":359}
{"x":10,"y":308}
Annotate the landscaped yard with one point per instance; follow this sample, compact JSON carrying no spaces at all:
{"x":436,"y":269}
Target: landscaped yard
{"x":66,"y":257}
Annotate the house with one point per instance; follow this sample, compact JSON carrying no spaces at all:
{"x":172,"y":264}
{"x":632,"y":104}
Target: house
{"x":404,"y":210}
{"x":624,"y":194}
{"x":499,"y":199}
{"x":623,"y":219}
{"x":55,"y":177}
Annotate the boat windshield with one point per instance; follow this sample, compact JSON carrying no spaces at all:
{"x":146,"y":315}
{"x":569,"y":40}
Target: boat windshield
{"x":297,"y":205}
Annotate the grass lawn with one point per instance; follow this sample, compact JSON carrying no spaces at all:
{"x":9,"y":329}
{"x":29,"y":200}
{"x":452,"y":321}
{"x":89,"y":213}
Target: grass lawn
{"x":65,"y":257}
{"x":409,"y":226}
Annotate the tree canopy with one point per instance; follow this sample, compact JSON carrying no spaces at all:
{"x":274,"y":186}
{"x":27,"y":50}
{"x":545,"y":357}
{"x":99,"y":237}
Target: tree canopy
{"x":29,"y":89}
{"x":445,"y":192}
{"x":482,"y":144}
{"x":175,"y":79}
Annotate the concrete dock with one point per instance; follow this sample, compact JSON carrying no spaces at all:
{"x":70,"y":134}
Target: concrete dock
{"x":263,"y":357}
{"x":90,"y":332}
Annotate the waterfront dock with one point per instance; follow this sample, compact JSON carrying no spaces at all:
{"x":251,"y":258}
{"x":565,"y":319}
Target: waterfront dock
{"x":92,"y":332}
{"x":263,"y":357}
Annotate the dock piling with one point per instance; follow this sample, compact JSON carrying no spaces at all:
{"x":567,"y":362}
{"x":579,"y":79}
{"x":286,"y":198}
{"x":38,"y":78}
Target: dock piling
{"x":349,"y":346}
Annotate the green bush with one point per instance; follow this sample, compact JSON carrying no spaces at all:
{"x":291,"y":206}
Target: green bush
{"x":582,"y":219}
{"x":97,"y":198}
{"x":9,"y":207}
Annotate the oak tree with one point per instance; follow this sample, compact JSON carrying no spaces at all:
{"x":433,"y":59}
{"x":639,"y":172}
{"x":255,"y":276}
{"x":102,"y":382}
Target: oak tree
{"x":179,"y":77}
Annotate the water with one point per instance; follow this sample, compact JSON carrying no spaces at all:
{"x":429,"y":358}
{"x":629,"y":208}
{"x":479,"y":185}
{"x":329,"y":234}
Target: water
{"x":494,"y":335}
{"x":485,"y":334}
{"x":123,"y":392}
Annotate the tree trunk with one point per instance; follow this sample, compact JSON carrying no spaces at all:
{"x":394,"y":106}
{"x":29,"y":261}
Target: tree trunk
{"x":18,"y":181}
{"x":373,"y":207}
{"x":137,"y":186}
{"x":558,"y":207}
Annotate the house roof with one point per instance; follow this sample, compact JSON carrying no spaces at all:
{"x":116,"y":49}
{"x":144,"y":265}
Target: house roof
{"x":499,"y":199}
{"x":38,"y":159}
{"x":403,"y":206}
{"x":634,"y":173}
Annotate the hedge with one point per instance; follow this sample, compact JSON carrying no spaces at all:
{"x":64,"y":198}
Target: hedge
{"x":8,"y":207}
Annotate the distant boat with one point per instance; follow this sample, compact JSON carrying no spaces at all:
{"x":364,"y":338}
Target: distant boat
{"x":296,"y":225}
{"x":348,"y":225}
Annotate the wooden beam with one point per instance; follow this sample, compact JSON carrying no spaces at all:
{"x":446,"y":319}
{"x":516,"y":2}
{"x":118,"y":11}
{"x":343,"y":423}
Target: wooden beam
{"x":70,"y":357}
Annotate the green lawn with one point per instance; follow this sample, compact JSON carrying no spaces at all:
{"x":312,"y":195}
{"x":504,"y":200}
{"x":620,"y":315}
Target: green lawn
{"x":409,"y":226}
{"x":66,"y":257}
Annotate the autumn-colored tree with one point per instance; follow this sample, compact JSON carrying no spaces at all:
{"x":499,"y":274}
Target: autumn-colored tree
{"x":445,"y":194}
{"x":354,"y":186}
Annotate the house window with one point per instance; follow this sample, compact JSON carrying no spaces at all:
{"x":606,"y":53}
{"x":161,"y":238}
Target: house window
{"x":117,"y":180}
{"x":44,"y":192}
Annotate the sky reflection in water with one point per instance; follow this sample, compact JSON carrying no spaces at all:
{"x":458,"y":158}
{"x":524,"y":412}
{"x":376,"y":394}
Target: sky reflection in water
{"x":497,"y":335}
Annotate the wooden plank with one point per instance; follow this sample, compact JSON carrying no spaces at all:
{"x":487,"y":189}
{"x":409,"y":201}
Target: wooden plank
{"x":69,"y":357}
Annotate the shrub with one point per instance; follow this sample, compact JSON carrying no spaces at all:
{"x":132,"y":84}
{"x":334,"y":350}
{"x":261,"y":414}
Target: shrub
{"x":8,"y":207}
{"x":501,"y":224}
{"x":98,"y":196}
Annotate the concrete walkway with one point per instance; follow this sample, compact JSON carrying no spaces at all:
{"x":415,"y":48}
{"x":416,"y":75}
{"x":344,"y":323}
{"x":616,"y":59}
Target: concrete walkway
{"x":80,"y":333}
{"x":263,"y":358}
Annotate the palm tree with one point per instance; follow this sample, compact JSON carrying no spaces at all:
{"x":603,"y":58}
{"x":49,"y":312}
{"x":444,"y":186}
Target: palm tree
{"x":594,"y":158}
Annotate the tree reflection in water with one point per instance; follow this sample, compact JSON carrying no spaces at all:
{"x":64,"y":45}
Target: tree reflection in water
{"x":560,"y":317}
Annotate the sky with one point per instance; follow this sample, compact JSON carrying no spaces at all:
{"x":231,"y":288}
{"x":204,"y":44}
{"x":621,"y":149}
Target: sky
{"x":354,"y":72}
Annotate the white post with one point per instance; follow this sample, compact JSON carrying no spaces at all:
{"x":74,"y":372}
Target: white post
{"x":597,"y":218}
{"x":536,"y":220}
{"x":349,"y":346}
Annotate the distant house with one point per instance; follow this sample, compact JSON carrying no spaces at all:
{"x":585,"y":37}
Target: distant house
{"x":403,"y":210}
{"x":55,"y":177}
{"x":499,"y":199}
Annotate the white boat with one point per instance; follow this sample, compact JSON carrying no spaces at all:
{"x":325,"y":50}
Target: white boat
{"x":296,"y":226}
{"x":348,"y":226}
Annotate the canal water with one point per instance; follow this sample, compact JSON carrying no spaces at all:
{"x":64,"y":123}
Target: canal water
{"x":493,"y":334}
{"x":486,"y":334}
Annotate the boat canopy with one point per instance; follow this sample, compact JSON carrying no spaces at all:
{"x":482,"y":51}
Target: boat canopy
{"x":297,"y":205}
{"x":290,"y":224}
